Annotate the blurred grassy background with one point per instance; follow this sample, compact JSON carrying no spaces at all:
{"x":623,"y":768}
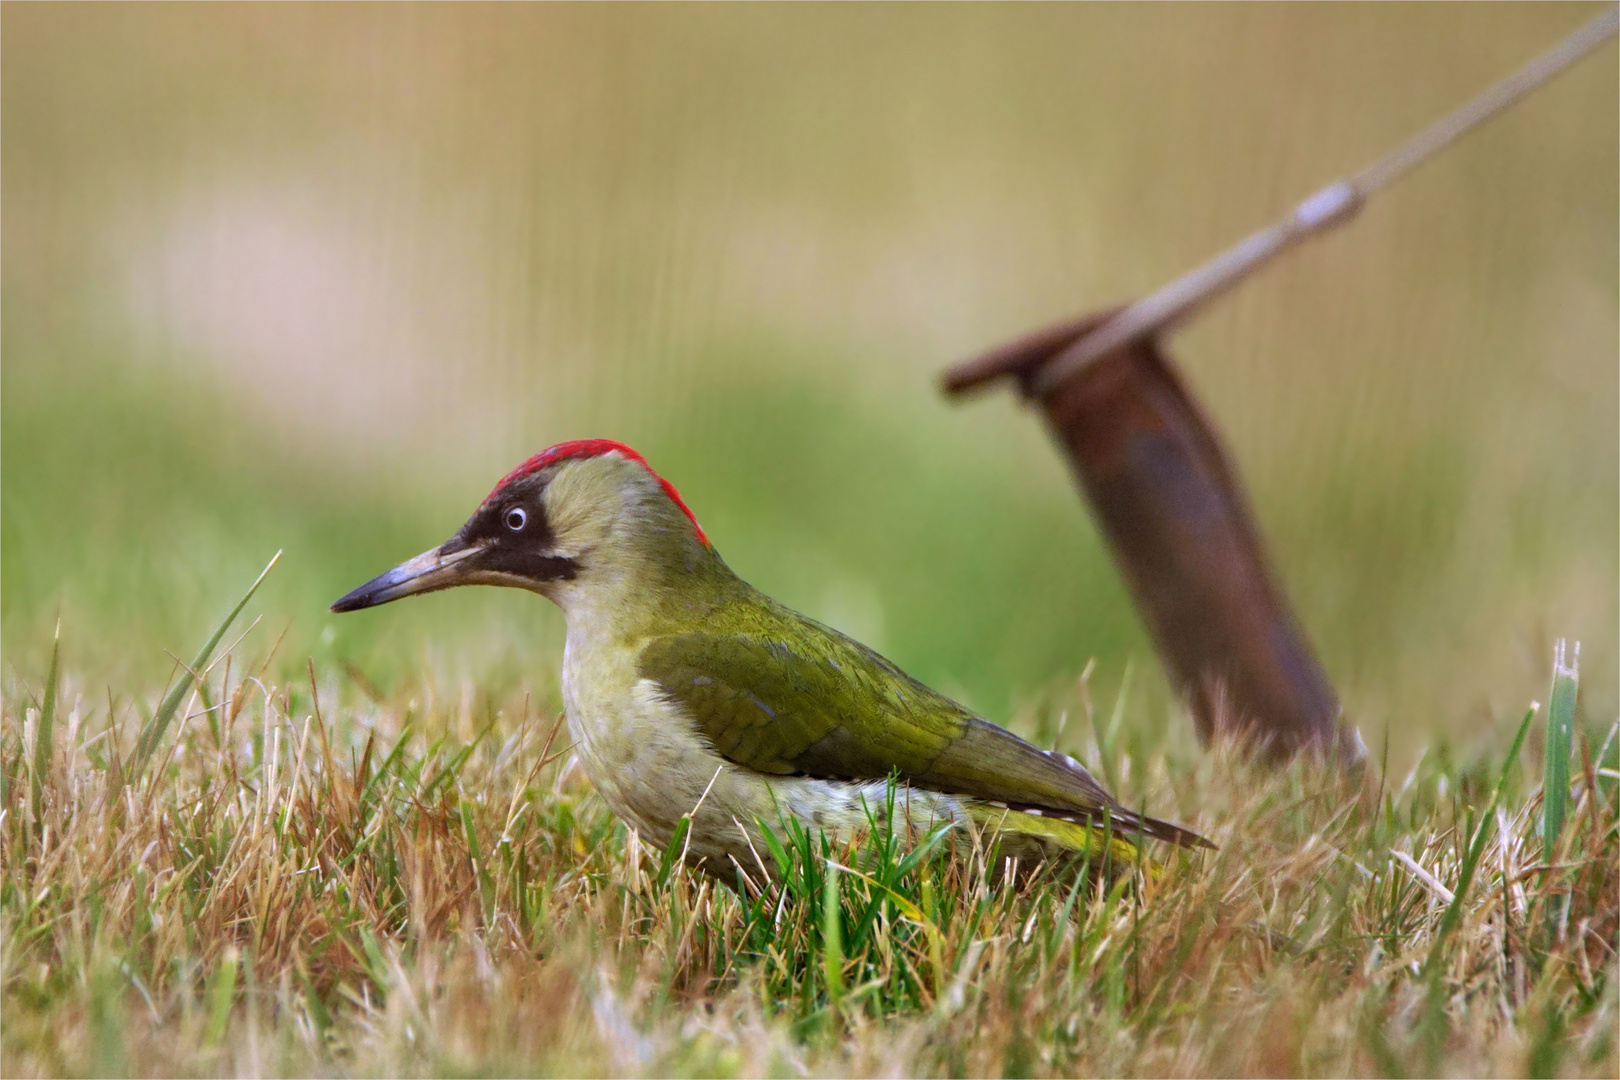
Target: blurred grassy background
{"x":313,"y":277}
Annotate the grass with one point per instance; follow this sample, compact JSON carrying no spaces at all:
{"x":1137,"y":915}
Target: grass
{"x":311,"y":877}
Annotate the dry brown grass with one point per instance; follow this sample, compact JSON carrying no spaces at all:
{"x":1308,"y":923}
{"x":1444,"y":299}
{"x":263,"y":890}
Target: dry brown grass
{"x":422,"y":887}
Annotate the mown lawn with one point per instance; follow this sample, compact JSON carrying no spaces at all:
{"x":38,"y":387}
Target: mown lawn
{"x":313,"y":877}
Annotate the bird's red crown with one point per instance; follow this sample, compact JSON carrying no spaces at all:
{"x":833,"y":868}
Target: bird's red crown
{"x":589,"y":448}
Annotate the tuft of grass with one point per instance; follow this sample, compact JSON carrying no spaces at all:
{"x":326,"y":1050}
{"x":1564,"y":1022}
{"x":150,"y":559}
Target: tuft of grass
{"x":327,"y":881}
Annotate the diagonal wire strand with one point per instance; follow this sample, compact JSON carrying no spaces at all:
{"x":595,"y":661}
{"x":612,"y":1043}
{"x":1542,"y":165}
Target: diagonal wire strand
{"x":1319,"y":213}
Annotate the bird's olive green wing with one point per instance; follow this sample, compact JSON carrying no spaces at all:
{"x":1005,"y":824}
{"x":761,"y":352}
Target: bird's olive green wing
{"x":806,"y":700}
{"x":798,"y":709}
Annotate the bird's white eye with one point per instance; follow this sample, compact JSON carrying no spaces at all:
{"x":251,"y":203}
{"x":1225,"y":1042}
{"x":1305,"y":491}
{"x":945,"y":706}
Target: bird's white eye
{"x":516,"y":518}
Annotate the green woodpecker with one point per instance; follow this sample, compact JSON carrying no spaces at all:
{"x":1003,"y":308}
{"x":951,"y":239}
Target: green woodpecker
{"x":688,"y":692}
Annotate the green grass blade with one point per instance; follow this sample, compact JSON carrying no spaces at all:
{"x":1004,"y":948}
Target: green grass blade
{"x":923,"y":850}
{"x":376,"y":964}
{"x":486,"y":884}
{"x":1476,"y":848}
{"x":1560,"y":736}
{"x":779,"y":855}
{"x":832,"y":936}
{"x":673,"y":850}
{"x":382,"y":771}
{"x":45,"y":733}
{"x":220,"y":996}
{"x":152,"y":732}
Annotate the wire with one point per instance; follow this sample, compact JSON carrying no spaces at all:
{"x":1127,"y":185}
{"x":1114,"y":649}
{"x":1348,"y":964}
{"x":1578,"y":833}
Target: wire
{"x":1327,"y":209}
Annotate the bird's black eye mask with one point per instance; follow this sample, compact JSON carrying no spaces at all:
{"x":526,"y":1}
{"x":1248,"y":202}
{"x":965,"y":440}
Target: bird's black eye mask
{"x":515,"y":535}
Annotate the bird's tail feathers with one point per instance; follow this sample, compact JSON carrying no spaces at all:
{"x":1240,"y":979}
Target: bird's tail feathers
{"x":1085,"y":835}
{"x":1090,"y":841}
{"x":1131,"y":824}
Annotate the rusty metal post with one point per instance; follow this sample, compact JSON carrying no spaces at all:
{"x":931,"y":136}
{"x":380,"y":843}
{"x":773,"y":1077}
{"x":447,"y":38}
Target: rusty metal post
{"x":1163,"y":491}
{"x":1175,"y":518}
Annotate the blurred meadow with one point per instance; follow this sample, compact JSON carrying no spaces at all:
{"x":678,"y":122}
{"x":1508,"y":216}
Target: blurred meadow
{"x":313,"y":277}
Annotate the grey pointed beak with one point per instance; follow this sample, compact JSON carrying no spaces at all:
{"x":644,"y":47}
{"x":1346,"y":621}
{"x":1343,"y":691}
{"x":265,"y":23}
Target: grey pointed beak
{"x":429,"y":571}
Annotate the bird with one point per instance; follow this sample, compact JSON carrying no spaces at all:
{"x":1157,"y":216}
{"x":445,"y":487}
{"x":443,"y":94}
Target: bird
{"x":691,"y":695}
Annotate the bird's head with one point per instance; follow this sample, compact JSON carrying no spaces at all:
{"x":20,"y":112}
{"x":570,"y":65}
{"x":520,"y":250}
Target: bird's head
{"x":579,"y":515}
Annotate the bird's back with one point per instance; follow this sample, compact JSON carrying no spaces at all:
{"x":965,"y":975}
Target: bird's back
{"x":774,"y":691}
